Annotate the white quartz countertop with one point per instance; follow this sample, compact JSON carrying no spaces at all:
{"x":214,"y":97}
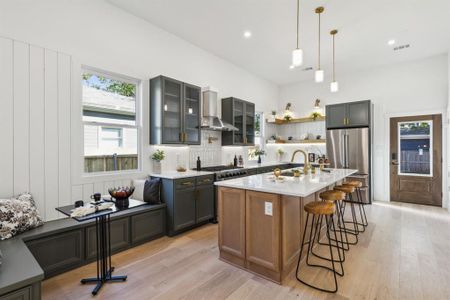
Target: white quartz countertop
{"x":178,"y":175}
{"x":301,"y":186}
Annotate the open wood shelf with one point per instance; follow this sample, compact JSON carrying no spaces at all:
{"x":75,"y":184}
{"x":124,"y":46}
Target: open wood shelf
{"x":320,"y":141}
{"x":297,"y":120}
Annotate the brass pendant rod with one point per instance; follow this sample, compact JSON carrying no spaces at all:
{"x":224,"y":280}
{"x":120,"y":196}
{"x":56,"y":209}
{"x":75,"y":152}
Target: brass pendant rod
{"x":298,"y":20}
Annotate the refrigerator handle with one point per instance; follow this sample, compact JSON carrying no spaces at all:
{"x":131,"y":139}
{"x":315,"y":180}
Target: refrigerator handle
{"x":346,"y":145}
{"x":344,"y":150}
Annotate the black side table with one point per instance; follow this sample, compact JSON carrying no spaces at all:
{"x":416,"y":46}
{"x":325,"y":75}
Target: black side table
{"x":103,"y":242}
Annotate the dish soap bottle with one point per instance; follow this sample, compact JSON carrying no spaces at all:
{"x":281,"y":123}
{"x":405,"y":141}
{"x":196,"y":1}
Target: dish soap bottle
{"x":241,"y":161}
{"x":199,"y":164}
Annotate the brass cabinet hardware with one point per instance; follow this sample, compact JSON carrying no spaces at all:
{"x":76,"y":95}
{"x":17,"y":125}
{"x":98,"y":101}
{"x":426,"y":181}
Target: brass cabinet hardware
{"x":345,"y":121}
{"x":187,"y":183}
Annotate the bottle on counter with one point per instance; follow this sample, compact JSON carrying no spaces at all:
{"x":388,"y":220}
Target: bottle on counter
{"x":199,"y":163}
{"x":235,"y":161}
{"x":241,"y":161}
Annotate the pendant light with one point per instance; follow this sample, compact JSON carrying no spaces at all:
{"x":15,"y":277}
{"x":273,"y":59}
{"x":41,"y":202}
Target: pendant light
{"x":334,"y":86}
{"x":297,"y":54}
{"x":319,"y":74}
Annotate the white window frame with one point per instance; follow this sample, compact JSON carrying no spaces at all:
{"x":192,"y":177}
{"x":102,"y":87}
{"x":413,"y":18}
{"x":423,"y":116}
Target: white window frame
{"x":399,"y":172}
{"x":138,"y":118}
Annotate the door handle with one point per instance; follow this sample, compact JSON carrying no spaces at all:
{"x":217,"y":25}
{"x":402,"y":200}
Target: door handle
{"x":395,"y":163}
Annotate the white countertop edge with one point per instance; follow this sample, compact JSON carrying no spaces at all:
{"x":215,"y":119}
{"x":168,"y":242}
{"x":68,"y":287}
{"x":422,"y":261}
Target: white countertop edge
{"x":179,"y":175}
{"x":235,"y":183}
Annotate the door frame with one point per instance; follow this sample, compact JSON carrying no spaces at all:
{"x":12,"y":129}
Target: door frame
{"x":387,"y":161}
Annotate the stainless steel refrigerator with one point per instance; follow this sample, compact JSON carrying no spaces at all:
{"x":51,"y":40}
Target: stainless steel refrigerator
{"x":351,"y":149}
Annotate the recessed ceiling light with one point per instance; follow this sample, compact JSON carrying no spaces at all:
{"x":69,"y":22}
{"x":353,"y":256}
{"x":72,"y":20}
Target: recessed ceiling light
{"x":391,"y":42}
{"x":291,"y":67}
{"x":247,"y":34}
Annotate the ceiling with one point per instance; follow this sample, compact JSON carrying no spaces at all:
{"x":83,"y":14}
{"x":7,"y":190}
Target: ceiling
{"x":364,"y":27}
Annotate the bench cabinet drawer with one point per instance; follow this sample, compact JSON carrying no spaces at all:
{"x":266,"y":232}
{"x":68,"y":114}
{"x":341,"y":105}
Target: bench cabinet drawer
{"x":22,"y":294}
{"x":60,"y":252}
{"x":147,"y":226}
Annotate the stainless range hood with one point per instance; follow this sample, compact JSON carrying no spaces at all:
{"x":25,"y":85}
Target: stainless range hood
{"x":210,"y":120}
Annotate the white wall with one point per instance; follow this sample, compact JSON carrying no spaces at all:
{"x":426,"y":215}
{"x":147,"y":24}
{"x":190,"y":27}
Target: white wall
{"x":417,"y":87}
{"x":96,"y":34}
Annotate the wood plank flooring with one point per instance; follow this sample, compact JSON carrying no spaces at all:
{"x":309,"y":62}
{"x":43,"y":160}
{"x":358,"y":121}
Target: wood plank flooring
{"x":404,"y":254}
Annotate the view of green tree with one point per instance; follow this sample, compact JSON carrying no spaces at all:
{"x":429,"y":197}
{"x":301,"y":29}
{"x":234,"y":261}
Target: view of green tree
{"x":110,"y":85}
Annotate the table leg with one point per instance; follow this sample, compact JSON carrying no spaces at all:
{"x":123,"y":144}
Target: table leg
{"x":103,"y":246}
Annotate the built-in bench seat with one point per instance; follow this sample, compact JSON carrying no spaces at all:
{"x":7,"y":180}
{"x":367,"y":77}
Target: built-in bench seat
{"x":65,"y":244}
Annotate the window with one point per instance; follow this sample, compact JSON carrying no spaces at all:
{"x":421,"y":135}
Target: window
{"x":415,"y":148}
{"x":110,"y":121}
{"x":259,"y":136}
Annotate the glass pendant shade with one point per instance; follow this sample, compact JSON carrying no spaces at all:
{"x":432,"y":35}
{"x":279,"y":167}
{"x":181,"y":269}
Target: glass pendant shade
{"x":319,"y":75}
{"x":297,"y":57}
{"x":334,"y":87}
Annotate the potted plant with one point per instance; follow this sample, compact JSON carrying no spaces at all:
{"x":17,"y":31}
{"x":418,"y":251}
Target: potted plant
{"x":258,"y":152}
{"x":315,"y":115}
{"x":280,"y":154}
{"x":157,"y":157}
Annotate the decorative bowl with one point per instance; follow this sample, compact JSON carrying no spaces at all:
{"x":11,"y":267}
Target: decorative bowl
{"x":121,"y":195}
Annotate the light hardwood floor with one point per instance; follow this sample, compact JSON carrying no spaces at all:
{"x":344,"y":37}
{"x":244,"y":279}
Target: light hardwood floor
{"x":404,"y":254}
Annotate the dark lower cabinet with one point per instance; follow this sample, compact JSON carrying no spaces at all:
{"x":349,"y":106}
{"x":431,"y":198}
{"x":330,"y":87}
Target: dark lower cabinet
{"x":205,"y":203}
{"x":22,"y":294}
{"x":120,"y":237}
{"x":190,"y":202}
{"x":184,"y":208}
{"x":59,"y":253}
{"x":147,"y":226}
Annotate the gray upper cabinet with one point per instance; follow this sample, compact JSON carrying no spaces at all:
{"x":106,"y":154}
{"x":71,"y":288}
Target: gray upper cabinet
{"x":240,"y":114}
{"x":174,"y":112}
{"x":347,"y":115}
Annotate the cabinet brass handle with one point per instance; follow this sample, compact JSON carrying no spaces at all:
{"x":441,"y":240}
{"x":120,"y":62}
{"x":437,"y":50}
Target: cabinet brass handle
{"x":187,"y":183}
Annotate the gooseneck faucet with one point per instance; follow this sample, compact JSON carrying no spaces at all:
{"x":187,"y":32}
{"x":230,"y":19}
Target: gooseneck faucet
{"x":306,"y":167}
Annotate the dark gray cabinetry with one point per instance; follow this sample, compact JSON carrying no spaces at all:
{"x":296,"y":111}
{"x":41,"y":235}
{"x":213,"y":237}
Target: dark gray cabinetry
{"x":347,"y":115}
{"x":22,"y":294}
{"x":190,"y":202}
{"x":147,"y":226}
{"x":240,"y":114}
{"x":120,"y":237}
{"x":174,"y":112}
{"x":59,"y":253}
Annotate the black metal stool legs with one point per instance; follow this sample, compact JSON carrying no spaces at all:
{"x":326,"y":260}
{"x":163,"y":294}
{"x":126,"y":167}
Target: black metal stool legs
{"x":312,"y":234}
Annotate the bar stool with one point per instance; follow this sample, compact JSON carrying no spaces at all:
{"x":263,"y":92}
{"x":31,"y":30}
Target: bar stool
{"x":319,"y":209}
{"x":336,"y":197}
{"x":349,"y":190}
{"x":362,"y":211}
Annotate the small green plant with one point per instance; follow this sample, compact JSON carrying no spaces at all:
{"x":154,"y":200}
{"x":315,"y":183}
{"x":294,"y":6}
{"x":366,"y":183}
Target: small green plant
{"x":256,"y":152}
{"x":280,"y":151}
{"x":158,"y":155}
{"x":315,"y":115}
{"x":287,"y":118}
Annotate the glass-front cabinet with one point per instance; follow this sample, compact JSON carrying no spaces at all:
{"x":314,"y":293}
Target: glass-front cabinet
{"x":174,"y":112}
{"x":240,"y":114}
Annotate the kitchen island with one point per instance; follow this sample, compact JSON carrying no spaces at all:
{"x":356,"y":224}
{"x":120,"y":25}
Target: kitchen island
{"x":261,"y":219}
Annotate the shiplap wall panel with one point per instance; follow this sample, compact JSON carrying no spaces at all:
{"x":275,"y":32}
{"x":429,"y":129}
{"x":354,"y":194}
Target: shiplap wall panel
{"x":77,"y":192}
{"x":64,"y":96}
{"x":51,"y":135}
{"x":37,"y":128}
{"x":21,"y":82}
{"x":88,"y":191}
{"x":6,"y":119}
{"x":98,"y":187}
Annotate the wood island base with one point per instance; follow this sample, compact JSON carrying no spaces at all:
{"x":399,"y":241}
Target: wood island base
{"x":261,"y":232}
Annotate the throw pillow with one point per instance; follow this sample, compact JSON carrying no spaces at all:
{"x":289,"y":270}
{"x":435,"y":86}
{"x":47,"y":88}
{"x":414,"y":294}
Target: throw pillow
{"x":138,"y":189}
{"x":152,"y":193}
{"x":18,"y":215}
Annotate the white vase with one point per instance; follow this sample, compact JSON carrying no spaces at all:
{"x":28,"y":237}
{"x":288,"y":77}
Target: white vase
{"x":156,"y":167}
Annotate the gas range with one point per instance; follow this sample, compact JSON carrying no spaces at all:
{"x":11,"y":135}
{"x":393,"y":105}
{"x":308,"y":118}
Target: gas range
{"x":226,"y":172}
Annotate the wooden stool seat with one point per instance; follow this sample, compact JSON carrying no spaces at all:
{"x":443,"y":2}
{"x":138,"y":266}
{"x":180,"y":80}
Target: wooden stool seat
{"x":348,"y":189}
{"x":354,"y":183}
{"x":320,"y":208}
{"x":332,"y":195}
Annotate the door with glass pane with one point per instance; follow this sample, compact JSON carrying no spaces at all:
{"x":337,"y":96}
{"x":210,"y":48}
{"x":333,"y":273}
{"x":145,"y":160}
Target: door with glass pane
{"x":172,"y":111}
{"x":416,"y":159}
{"x":249,"y":124}
{"x":191,"y":114}
{"x":238,"y":115}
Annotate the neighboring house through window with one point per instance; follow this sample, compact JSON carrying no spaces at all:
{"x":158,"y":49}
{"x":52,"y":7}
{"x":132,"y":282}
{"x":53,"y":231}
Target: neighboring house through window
{"x":111,"y":128}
